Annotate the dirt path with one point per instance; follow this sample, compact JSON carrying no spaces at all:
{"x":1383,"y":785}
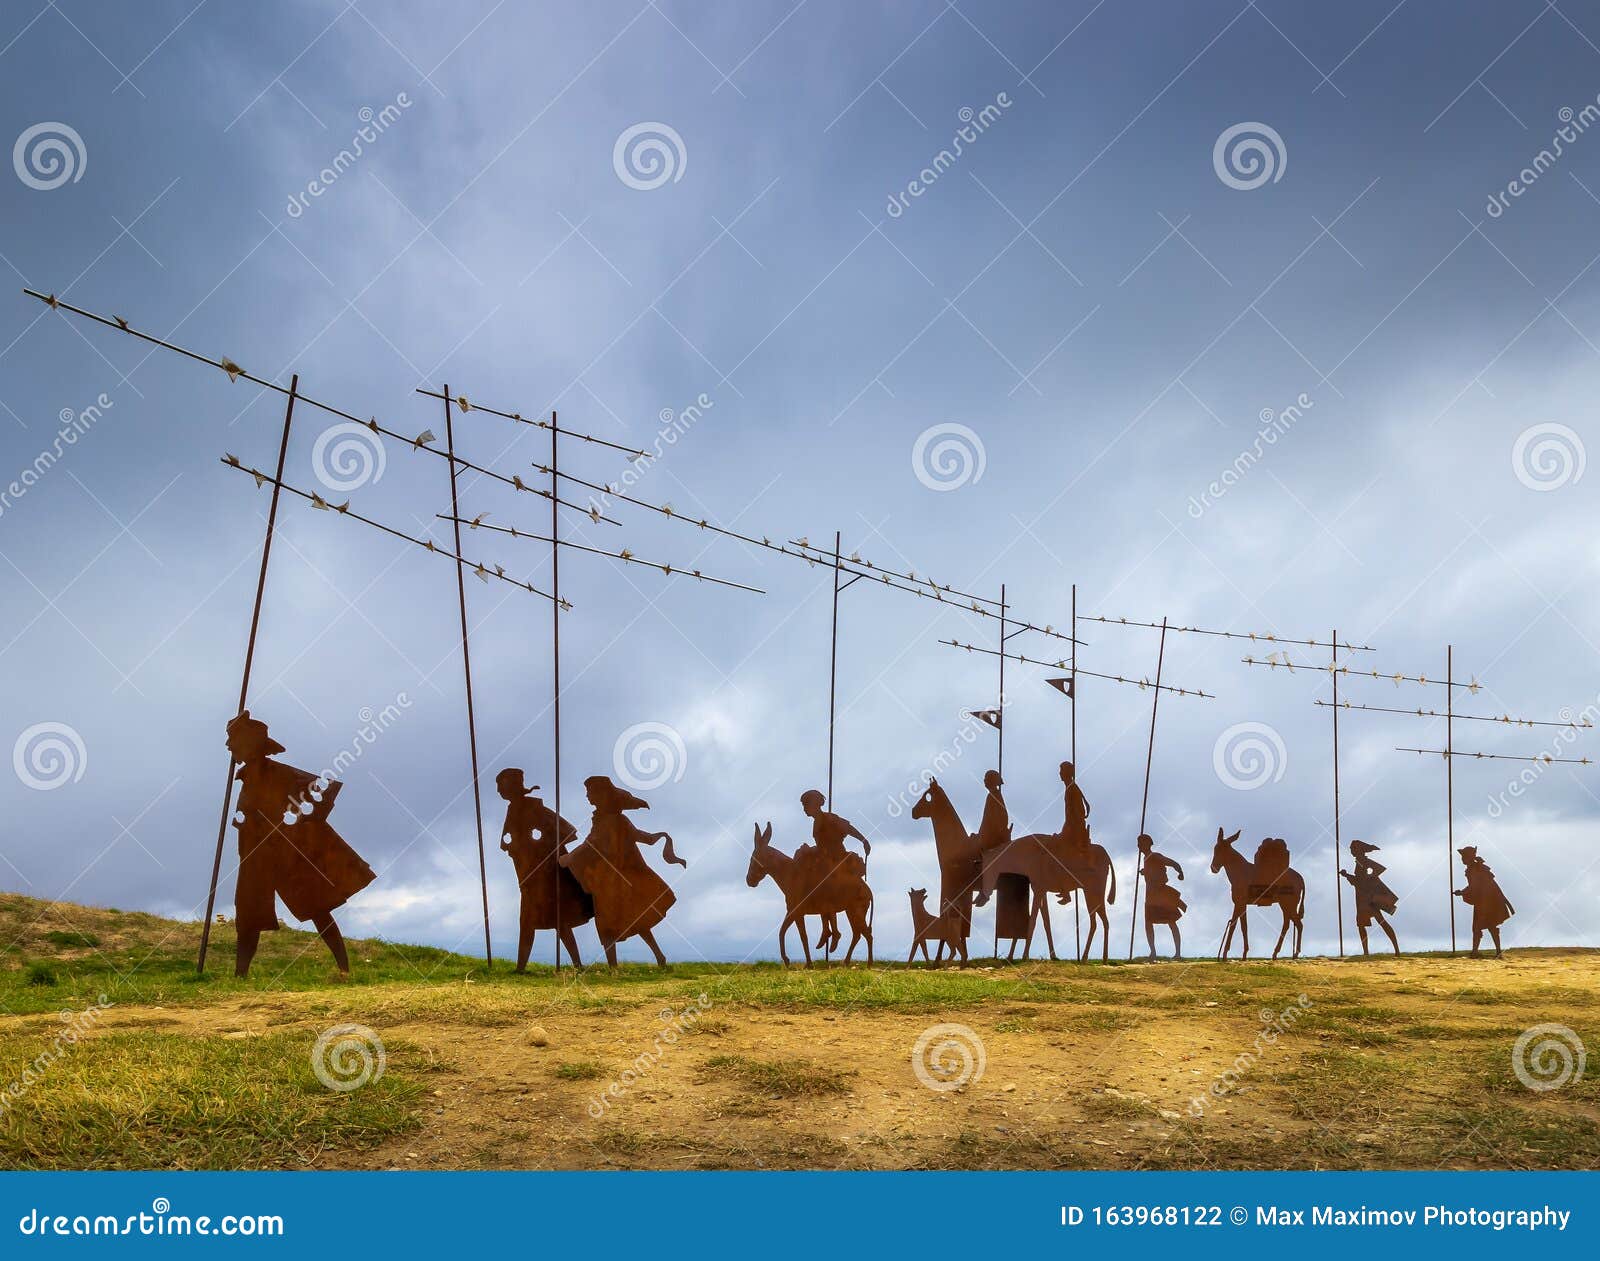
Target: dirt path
{"x":1403,"y":1062}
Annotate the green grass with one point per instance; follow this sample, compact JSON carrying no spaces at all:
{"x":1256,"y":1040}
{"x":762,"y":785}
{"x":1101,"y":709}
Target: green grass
{"x":165,"y":1101}
{"x":788,"y":1079}
{"x":579,"y":1070}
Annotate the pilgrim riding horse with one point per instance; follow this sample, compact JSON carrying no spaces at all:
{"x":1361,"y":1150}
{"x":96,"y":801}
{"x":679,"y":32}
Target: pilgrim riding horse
{"x":1038,"y":857}
{"x":804,"y":895}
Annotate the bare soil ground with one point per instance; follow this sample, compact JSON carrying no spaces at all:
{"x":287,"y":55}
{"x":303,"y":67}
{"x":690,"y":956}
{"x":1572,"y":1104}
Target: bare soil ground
{"x":1321,"y":1063}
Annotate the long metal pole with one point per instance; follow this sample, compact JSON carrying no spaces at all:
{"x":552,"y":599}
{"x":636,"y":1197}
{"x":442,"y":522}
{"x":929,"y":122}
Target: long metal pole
{"x":833,"y":664}
{"x":555,"y":666}
{"x":466,"y":665}
{"x":1077,"y":939}
{"x":1338,"y":883}
{"x":1450,"y":785}
{"x":244,"y":684}
{"x":1000,"y":713}
{"x":1144,"y":801}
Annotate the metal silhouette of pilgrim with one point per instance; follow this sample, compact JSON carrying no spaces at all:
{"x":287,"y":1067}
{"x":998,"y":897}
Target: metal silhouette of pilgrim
{"x":1266,"y":881}
{"x":1162,"y":903}
{"x":535,"y":837}
{"x":629,"y":898}
{"x":1374,"y":899}
{"x":1490,"y":907}
{"x":287,"y":848}
{"x":944,"y":928}
{"x":827,"y":855}
{"x":814,"y":882}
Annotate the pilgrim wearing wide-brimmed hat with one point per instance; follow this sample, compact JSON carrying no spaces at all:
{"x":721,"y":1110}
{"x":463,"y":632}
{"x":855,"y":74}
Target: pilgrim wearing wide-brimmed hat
{"x":629,"y":898}
{"x":1374,"y":899}
{"x":533,"y":835}
{"x":1490,"y":907}
{"x":1162,"y":903}
{"x":304,"y":861}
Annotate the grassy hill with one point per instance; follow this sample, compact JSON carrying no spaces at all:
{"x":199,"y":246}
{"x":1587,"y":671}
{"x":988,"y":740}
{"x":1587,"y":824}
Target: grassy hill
{"x":114,"y":1054}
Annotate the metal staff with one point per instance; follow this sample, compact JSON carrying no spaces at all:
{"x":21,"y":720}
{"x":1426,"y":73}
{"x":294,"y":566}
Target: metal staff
{"x":466,"y":665}
{"x":244,"y":683}
{"x":555,"y":665}
{"x":1144,"y":801}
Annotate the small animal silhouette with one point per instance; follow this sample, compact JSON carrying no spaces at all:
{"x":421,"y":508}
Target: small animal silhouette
{"x":944,"y":928}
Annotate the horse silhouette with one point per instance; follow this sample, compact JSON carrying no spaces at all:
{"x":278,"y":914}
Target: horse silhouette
{"x":1284,"y":889}
{"x":804,"y":895}
{"x":960,"y":856}
{"x":1040,"y":858}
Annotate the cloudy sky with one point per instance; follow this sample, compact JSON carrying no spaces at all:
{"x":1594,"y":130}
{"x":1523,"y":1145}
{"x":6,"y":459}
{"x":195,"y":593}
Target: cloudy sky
{"x":999,"y":292}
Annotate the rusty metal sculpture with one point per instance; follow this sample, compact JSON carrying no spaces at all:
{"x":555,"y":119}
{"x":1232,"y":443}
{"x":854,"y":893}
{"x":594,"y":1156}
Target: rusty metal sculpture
{"x":629,"y":898}
{"x":1041,"y":863}
{"x":1374,"y":899}
{"x":827,"y":853}
{"x":812,"y":887}
{"x":1267,"y":881}
{"x":1162,"y":903}
{"x":960,"y":855}
{"x":535,"y":836}
{"x":1490,"y":907}
{"x":944,"y":928}
{"x":287,"y":849}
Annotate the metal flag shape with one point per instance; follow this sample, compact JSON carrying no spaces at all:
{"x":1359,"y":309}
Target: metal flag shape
{"x":990,"y":716}
{"x":1063,"y":685}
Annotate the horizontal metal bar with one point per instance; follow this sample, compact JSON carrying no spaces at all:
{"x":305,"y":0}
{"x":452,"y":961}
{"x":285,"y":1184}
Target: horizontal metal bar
{"x":317,"y":501}
{"x":477,"y":523}
{"x":1141,"y":684}
{"x":1253,"y":636}
{"x":235,"y":372}
{"x":466,"y":405}
{"x":1498,"y":757}
{"x":1434,"y":713}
